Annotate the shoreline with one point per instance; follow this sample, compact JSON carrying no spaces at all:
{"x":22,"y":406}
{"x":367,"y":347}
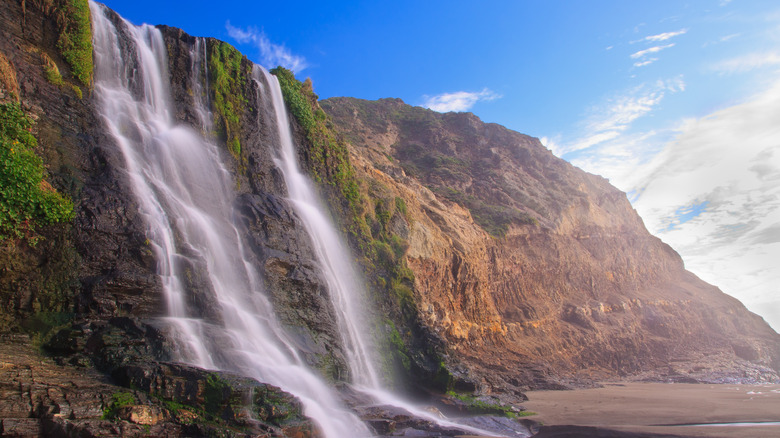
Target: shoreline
{"x":656,"y":410}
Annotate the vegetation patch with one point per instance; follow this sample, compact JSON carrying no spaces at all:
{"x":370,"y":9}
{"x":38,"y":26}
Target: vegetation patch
{"x":27,"y":201}
{"x":52,"y":74}
{"x":228,"y":74}
{"x":478,"y":406}
{"x":43,"y":325}
{"x":215,"y":393}
{"x":75,"y":42}
{"x":118,"y":401}
{"x":74,"y":23}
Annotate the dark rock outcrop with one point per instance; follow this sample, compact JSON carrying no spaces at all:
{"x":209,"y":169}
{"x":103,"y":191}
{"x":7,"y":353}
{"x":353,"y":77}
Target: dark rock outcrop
{"x":41,"y":398}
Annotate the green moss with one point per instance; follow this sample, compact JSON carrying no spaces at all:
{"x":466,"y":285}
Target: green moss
{"x":442,"y":378}
{"x":477,"y":406}
{"x":215,"y":393}
{"x":26,"y":199}
{"x":77,"y":91}
{"x":400,"y":205}
{"x":75,"y":39}
{"x":118,"y":401}
{"x":52,"y":74}
{"x":43,"y":325}
{"x":396,"y":354}
{"x":228,"y":73}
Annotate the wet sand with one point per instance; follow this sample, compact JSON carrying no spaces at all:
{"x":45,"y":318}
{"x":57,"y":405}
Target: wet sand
{"x":658,"y":409}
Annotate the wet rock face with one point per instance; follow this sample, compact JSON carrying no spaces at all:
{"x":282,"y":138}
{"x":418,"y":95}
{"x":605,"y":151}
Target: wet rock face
{"x":279,"y":245}
{"x":535,"y":273}
{"x":99,"y":273}
{"x":111,"y":270}
{"x":109,"y":262}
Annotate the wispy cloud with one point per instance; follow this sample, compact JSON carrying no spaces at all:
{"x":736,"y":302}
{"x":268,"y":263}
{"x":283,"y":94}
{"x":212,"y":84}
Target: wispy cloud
{"x":645,"y":62}
{"x":748,"y":62}
{"x":665,"y":36}
{"x":612,"y":119}
{"x":457,"y":101}
{"x":271,"y":55}
{"x":654,"y":49}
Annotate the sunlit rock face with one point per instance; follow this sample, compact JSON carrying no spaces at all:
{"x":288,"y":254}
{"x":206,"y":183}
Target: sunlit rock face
{"x":537,"y":273}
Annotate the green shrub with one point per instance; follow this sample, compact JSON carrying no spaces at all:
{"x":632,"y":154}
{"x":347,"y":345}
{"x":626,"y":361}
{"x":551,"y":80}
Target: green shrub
{"x":26,"y":199}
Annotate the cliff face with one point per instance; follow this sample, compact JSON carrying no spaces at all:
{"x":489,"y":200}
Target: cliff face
{"x":535,"y":272}
{"x":495,"y":266}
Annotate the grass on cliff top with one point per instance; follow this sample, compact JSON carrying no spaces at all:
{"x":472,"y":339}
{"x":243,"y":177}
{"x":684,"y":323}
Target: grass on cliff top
{"x":26,"y":199}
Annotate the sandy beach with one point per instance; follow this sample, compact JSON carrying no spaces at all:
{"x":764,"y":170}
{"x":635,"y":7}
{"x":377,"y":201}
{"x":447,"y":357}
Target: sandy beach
{"x":662,"y":409}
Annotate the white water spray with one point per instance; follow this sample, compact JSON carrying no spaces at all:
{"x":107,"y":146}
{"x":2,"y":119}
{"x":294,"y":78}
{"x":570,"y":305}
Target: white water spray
{"x":185,"y":195}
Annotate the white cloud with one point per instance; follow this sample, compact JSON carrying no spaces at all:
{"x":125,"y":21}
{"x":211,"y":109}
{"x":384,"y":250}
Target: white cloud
{"x":457,"y":101}
{"x":654,"y":49}
{"x":611,"y":121}
{"x":271,"y":55}
{"x":551,"y":144}
{"x":729,"y":160}
{"x":665,"y":36}
{"x":646,"y":62}
{"x":748,"y":62}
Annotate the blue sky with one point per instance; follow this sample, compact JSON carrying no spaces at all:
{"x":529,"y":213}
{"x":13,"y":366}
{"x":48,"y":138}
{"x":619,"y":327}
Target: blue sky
{"x":676,"y":102}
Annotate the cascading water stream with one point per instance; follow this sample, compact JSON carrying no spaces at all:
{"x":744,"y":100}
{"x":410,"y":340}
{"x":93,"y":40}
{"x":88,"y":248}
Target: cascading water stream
{"x":185,"y":196}
{"x":343,"y":285}
{"x":346,"y":292}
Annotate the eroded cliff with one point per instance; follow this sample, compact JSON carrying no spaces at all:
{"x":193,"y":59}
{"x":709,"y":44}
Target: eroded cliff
{"x":537,"y":273}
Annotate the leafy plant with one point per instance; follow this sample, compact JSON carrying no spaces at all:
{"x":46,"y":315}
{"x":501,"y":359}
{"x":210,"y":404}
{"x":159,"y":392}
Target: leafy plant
{"x":26,"y":199}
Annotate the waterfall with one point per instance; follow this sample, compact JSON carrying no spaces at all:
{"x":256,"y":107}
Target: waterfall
{"x":185,"y":195}
{"x":346,"y":291}
{"x":343,"y":285}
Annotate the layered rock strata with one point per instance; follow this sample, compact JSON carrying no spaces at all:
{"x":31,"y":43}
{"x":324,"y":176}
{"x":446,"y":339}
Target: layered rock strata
{"x":536,"y":273}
